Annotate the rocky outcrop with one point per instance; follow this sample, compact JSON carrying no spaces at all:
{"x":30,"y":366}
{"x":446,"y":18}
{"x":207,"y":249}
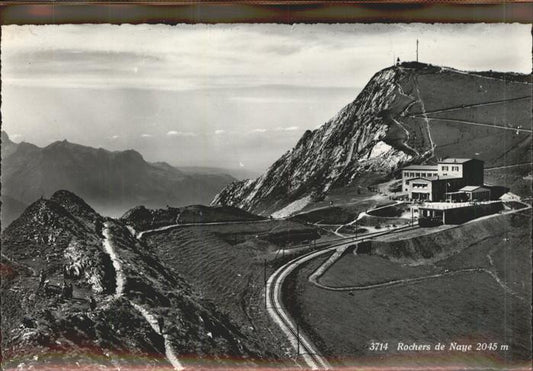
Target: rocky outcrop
{"x":410,"y":113}
{"x":363,"y":137}
{"x":79,"y":285}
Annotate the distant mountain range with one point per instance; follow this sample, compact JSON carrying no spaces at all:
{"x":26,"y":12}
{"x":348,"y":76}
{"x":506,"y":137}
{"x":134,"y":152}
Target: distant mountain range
{"x":111,"y":181}
{"x":407,"y":114}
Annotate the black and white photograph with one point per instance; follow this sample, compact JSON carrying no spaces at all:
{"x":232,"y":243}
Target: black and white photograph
{"x":266,"y":196}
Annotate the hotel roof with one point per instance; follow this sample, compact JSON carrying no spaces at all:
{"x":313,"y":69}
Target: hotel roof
{"x":451,"y":205}
{"x":421,"y":167}
{"x":453,"y":160}
{"x":436,"y":178}
{"x":473,"y":188}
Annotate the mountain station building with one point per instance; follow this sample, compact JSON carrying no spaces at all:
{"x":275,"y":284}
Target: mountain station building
{"x":452,"y":179}
{"x":437,"y":213}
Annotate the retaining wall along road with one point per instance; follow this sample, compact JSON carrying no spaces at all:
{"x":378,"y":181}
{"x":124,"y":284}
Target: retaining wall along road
{"x":443,"y":243}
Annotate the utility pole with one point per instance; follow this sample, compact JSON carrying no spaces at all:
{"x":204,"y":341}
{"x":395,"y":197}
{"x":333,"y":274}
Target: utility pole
{"x":297,"y":339}
{"x":417,"y":50}
{"x":265,"y":278}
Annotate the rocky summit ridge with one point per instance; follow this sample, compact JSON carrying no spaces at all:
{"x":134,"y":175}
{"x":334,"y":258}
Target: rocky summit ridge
{"x":78,"y":288}
{"x":383,"y":129}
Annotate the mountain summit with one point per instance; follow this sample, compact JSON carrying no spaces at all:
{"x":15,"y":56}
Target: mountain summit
{"x":81,"y":287}
{"x":409,"y":113}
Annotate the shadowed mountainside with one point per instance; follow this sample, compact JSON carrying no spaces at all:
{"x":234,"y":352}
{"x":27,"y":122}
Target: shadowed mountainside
{"x":112,"y":181}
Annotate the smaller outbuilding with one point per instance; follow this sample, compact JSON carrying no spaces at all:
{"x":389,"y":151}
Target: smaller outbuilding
{"x":437,"y":213}
{"x":469,"y":193}
{"x":476,"y":193}
{"x":509,"y":196}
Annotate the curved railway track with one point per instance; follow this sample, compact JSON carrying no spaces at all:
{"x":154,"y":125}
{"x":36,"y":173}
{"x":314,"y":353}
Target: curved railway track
{"x":305,"y":349}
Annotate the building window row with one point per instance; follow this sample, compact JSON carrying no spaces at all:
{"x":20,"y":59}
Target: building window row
{"x":446,"y":168}
{"x":423,"y":175}
{"x":419,"y":185}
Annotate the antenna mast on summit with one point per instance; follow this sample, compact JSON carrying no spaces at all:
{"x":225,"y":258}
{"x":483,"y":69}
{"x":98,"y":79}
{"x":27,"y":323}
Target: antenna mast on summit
{"x":417,"y":50}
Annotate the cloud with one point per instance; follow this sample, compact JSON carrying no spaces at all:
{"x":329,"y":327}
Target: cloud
{"x":258,"y":131}
{"x":56,"y":58}
{"x":270,"y":100}
{"x":241,"y":164}
{"x":169,"y":57}
{"x":115,"y":137}
{"x":174,"y":133}
{"x":146,"y":135}
{"x":15,"y":136}
{"x":219,"y":131}
{"x":288,"y":128}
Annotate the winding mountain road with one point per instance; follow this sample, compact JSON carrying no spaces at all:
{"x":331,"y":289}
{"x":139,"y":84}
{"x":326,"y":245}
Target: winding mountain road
{"x":300,"y":342}
{"x":172,"y":226}
{"x":472,"y":105}
{"x":508,"y":166}
{"x":424,"y":114}
{"x":474,"y":123}
{"x":314,"y":278}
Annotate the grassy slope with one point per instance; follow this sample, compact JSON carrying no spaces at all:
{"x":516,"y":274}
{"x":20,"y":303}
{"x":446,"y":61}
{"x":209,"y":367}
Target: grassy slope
{"x":343,"y":208}
{"x":353,"y":270}
{"x":425,"y":245}
{"x":232,"y":277}
{"x":467,"y":89}
{"x":469,"y":307}
{"x":512,"y":114}
{"x":513,"y":178}
{"x":510,"y":257}
{"x":143,"y":219}
{"x":328,"y":215}
{"x":494,"y":146}
{"x":214,"y":267}
{"x":229,"y":232}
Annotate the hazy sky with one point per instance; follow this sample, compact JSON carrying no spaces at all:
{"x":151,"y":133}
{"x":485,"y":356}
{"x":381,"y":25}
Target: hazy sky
{"x":216,"y":95}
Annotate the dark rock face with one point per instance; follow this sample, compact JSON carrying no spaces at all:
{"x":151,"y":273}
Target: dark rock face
{"x":62,"y":293}
{"x":412,"y":113}
{"x":358,"y":139}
